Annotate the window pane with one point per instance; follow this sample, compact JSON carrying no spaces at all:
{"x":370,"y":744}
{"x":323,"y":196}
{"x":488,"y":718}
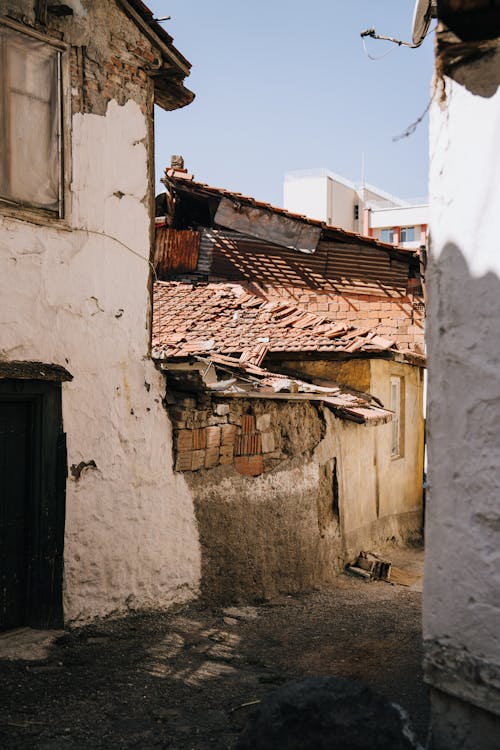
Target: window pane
{"x":30,"y":161}
{"x":407,"y":234}
{"x":387,"y":235}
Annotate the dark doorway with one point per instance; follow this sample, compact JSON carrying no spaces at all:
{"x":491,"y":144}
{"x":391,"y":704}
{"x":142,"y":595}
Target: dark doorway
{"x":32,"y":504}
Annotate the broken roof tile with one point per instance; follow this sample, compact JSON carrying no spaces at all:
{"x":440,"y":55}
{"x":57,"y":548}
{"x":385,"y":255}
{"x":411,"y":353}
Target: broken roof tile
{"x":227,"y":318}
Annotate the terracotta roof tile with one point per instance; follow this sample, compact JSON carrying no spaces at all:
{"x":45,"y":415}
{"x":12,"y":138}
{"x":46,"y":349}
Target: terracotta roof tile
{"x":226,"y":318}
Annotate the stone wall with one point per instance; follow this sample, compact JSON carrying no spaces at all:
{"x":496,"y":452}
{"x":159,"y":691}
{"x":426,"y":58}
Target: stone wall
{"x":250,"y":435}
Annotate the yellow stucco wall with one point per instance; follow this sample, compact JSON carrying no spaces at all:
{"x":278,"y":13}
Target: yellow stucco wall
{"x":354,"y":373}
{"x":380,"y":497}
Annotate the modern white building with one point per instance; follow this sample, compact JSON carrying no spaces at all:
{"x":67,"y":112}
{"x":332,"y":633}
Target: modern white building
{"x":324,"y":195}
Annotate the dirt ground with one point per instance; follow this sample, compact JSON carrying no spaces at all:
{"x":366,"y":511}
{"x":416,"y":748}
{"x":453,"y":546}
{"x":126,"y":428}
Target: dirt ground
{"x":180,"y":680}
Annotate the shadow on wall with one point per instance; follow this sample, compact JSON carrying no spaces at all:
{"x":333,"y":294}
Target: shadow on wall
{"x":462,"y":515}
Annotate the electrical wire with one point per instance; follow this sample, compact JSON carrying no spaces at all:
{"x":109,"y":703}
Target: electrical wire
{"x":379,"y":57}
{"x":115,"y":239}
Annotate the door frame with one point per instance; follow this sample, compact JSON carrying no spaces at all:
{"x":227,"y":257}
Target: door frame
{"x":47,"y":504}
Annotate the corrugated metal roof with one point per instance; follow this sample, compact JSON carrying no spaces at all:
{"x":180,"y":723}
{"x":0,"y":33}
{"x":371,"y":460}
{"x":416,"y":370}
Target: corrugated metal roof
{"x":178,"y":183}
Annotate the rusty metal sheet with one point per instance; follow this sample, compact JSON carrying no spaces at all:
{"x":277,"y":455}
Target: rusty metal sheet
{"x":176,"y":251}
{"x":269,"y":226}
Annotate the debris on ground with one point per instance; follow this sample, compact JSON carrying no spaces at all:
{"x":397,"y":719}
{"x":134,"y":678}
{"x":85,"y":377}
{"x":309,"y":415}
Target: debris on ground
{"x":371,"y":566}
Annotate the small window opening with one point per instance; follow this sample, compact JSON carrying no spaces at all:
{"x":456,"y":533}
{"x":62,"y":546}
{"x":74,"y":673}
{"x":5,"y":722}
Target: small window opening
{"x":335,"y":488}
{"x":397,"y":406}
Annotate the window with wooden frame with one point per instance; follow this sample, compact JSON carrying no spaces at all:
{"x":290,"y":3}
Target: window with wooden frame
{"x":398,"y":417}
{"x":31,"y":159}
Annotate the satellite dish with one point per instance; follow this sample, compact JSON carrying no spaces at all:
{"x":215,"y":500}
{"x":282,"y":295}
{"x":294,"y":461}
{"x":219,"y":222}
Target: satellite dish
{"x":422,"y":14}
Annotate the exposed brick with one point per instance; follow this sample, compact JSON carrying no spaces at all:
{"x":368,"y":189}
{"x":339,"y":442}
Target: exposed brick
{"x":213,"y":436}
{"x":199,"y":438}
{"x":183,"y":461}
{"x":249,"y":465}
{"x":226,"y":454}
{"x":247,"y":423}
{"x":247,"y":445}
{"x":198,"y":459}
{"x":184,"y":440}
{"x":211,"y":457}
{"x":228,"y":434}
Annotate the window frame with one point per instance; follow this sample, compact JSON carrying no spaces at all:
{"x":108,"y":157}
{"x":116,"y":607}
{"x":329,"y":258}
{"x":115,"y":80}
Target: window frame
{"x":26,"y":211}
{"x":405,"y":230}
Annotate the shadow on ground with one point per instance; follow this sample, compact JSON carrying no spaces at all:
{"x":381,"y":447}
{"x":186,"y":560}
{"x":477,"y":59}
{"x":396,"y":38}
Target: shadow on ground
{"x":182,"y":680}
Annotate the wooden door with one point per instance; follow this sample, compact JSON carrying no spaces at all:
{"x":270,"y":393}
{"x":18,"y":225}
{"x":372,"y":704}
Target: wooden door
{"x":32,"y":504}
{"x":15,"y":501}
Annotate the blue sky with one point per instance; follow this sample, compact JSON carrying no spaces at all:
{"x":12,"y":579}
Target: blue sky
{"x":284,"y":84}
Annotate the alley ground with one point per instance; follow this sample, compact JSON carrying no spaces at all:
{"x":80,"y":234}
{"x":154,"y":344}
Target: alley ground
{"x":180,"y":680}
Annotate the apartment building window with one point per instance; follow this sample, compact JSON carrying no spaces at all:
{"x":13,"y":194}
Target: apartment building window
{"x":387,"y":235}
{"x":407,"y":234}
{"x":397,"y":406}
{"x":30,"y":122}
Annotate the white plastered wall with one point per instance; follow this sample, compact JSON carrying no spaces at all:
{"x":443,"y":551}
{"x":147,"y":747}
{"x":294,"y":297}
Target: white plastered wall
{"x":79,"y":298}
{"x":462,"y":584}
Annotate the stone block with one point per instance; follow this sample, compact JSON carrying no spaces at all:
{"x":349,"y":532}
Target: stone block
{"x":222,"y":410}
{"x":189,"y":403}
{"x":268,"y":444}
{"x":213,"y":420}
{"x":263,"y":422}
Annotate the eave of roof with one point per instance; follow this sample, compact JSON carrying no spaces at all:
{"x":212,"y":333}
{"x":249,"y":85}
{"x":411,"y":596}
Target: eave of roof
{"x":328,"y":232}
{"x":170,"y":92}
{"x":258,"y":383}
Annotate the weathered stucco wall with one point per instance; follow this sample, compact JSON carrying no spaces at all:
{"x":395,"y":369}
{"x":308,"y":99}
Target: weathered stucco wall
{"x":321,"y":493}
{"x":75,"y":293}
{"x":277,"y":532}
{"x":354,"y":373}
{"x":382,"y":496}
{"x":462,"y":589}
